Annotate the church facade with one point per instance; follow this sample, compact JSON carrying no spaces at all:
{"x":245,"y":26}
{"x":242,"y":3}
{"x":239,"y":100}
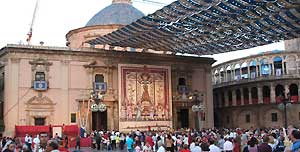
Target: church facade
{"x":42,"y":85}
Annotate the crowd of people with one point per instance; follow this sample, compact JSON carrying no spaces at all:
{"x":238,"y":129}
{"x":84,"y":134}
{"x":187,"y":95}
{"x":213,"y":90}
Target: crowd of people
{"x":184,"y":140}
{"x":206,"y":140}
{"x":41,"y":143}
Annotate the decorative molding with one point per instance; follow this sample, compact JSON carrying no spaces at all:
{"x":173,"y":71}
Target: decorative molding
{"x":15,"y":60}
{"x":40,"y":100}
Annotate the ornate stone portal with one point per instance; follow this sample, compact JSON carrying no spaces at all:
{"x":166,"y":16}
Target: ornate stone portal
{"x":39,"y":107}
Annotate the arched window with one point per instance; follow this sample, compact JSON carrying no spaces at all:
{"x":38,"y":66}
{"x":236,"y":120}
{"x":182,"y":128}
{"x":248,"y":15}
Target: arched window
{"x":266,"y":94}
{"x":277,"y":66}
{"x":99,"y":78}
{"x":265,"y":69}
{"x":216,"y":75}
{"x":279,"y":92}
{"x":252,"y":69}
{"x":254,"y":95}
{"x":229,"y":73}
{"x":244,"y":68}
{"x":237,"y":72}
{"x":294,"y":92}
{"x":222,"y":76}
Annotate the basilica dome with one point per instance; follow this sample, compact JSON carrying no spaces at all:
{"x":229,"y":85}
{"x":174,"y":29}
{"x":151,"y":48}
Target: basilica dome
{"x":109,"y":19}
{"x":120,"y":12}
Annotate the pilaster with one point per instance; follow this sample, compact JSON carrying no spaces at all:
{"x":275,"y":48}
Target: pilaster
{"x":272,"y":94}
{"x":233,"y":97}
{"x":259,"y":94}
{"x":64,"y":81}
{"x":11,"y":97}
{"x":242,"y":96}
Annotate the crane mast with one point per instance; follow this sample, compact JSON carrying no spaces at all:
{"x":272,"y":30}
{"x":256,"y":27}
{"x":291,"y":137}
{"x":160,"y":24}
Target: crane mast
{"x":29,"y":34}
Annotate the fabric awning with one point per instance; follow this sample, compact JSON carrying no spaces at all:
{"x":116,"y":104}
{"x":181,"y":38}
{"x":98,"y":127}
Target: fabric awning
{"x":204,"y":27}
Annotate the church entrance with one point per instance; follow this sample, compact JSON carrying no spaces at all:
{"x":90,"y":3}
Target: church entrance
{"x":99,"y":120}
{"x":183,"y":118}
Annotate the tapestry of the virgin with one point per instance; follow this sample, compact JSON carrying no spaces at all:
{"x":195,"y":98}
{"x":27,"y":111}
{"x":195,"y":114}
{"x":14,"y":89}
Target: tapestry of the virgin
{"x":145,"y":97}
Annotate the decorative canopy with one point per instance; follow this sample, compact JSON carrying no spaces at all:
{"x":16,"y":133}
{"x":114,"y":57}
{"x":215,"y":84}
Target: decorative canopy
{"x":205,"y":27}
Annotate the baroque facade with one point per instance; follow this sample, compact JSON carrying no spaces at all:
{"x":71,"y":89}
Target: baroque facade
{"x":150,"y":81}
{"x":249,"y":92}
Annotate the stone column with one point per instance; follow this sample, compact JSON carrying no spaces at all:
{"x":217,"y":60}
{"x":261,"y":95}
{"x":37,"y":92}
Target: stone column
{"x":233,"y":97}
{"x":286,"y":90}
{"x":259,"y":70}
{"x":242,"y":96}
{"x":249,"y":74}
{"x":225,"y":75}
{"x":233,"y":74}
{"x":250,"y":95}
{"x":259,"y":94}
{"x":272,"y":94}
{"x":273,"y":69}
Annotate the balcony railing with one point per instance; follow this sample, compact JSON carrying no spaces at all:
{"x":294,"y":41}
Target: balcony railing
{"x":218,"y":84}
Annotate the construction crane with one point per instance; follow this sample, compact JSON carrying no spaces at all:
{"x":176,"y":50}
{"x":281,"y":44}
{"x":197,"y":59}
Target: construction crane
{"x":29,"y":34}
{"x":150,"y":2}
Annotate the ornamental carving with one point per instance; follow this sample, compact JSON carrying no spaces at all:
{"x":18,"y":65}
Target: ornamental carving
{"x":40,"y":100}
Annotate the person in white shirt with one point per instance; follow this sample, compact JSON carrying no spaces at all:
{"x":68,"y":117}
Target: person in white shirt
{"x":160,"y":147}
{"x":197,"y":148}
{"x":192,"y":145}
{"x":228,"y":146}
{"x":30,"y":142}
{"x":26,"y":139}
{"x":213,"y":147}
{"x":186,"y":140}
{"x":147,"y":148}
{"x":36,"y":142}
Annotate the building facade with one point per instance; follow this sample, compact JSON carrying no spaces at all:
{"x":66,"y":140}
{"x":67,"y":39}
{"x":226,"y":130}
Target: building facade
{"x":250,"y":92}
{"x":43,"y":85}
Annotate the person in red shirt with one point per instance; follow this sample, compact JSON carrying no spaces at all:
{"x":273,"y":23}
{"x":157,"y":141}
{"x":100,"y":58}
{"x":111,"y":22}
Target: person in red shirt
{"x":149,"y":140}
{"x":185,"y":148}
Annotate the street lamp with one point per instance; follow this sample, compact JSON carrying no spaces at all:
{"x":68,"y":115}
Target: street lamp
{"x":285,"y":103}
{"x":98,"y":98}
{"x":197,"y":106}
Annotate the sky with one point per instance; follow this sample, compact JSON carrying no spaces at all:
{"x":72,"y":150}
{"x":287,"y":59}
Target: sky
{"x":54,"y":18}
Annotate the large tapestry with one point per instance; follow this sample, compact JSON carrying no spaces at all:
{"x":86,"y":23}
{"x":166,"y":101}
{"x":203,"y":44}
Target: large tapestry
{"x":145,"y":97}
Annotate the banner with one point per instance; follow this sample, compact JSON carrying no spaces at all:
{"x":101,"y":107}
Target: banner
{"x":144,"y":97}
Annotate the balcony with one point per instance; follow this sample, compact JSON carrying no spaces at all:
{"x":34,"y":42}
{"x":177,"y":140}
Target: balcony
{"x":255,"y":80}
